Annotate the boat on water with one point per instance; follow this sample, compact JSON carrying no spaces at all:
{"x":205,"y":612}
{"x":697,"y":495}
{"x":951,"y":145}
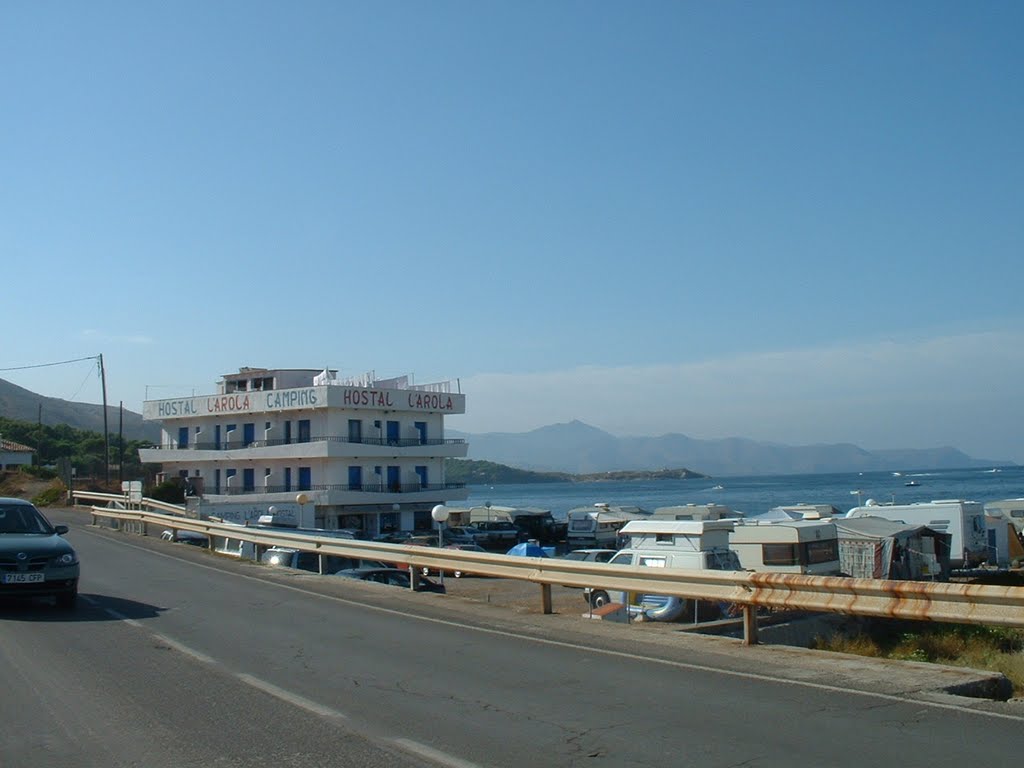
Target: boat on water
{"x":911,"y":483}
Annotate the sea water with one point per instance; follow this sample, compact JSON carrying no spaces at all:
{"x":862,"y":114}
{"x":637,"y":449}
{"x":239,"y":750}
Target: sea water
{"x":753,"y":495}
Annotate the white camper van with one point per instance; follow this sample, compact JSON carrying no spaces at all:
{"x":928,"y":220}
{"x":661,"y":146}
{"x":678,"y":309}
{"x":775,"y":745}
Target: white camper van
{"x":794,"y":546}
{"x":963,"y":520}
{"x":690,"y":544}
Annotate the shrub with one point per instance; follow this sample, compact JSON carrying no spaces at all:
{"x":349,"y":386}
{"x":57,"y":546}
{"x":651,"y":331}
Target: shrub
{"x":52,"y":494}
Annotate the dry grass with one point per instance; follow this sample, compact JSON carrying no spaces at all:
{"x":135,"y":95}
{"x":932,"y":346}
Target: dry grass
{"x":978,"y":647}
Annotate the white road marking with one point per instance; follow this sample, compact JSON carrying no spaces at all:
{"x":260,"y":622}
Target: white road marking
{"x":436,"y":756}
{"x":292,"y":698}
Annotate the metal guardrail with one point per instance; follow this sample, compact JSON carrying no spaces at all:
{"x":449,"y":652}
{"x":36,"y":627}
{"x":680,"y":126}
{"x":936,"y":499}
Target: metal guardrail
{"x":923,"y":601}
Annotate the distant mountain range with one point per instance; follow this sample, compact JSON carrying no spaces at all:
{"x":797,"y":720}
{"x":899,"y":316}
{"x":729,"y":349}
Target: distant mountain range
{"x":575,"y":448}
{"x":579,"y":448}
{"x":21,"y":404}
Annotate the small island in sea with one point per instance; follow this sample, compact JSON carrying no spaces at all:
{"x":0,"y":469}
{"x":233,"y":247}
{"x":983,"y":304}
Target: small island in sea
{"x":474,"y":472}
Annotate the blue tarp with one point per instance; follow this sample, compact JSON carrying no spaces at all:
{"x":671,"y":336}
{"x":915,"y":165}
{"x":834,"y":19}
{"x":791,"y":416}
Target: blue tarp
{"x":526,"y":549}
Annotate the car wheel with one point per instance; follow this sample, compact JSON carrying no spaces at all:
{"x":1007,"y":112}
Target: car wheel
{"x":66,"y":601}
{"x":599,"y":598}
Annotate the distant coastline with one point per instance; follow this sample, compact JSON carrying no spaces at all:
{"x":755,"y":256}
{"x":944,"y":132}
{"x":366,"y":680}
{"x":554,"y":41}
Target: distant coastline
{"x":474,"y":472}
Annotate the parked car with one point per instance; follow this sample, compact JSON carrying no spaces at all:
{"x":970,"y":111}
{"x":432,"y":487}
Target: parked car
{"x":464,"y":534}
{"x":501,"y":534}
{"x":394,"y":577}
{"x":35,"y":561}
{"x":465,"y":548}
{"x":285,"y":557}
{"x":394,"y":537}
{"x":591,"y":555}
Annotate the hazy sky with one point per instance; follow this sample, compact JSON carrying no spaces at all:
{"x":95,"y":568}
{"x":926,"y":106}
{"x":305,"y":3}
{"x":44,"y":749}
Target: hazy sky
{"x":794,"y":222}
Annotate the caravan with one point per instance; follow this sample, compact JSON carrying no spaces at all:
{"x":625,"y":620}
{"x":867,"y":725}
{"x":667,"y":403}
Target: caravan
{"x":598,"y":526}
{"x":963,"y":520}
{"x":796,"y":546}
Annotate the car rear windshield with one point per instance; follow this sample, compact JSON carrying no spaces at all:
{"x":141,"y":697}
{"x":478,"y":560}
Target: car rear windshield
{"x":22,"y":518}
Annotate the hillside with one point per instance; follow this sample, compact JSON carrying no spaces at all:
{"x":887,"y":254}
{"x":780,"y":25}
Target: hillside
{"x":20,"y":404}
{"x":579,"y":448}
{"x":489,"y":473}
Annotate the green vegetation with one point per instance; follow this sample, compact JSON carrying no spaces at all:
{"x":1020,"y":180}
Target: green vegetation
{"x":489,"y":473}
{"x":979,"y":647}
{"x":58,"y":444}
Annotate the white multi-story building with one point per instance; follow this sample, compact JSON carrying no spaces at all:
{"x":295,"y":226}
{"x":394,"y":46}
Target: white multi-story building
{"x":363,"y":453}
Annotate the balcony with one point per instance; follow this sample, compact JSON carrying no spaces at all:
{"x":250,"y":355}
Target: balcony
{"x":346,"y":493}
{"x":314,"y":447}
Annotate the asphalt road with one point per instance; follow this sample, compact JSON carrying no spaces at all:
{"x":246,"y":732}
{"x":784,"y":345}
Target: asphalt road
{"x":180,"y":658}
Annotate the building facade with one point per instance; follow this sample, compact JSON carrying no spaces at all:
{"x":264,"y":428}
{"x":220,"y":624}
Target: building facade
{"x":14,"y":455}
{"x":364,"y":453}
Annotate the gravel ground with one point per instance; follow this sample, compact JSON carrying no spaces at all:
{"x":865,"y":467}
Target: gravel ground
{"x":520,"y":596}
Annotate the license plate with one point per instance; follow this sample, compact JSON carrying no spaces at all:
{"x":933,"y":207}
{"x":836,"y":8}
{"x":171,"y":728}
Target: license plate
{"x":23,"y":578}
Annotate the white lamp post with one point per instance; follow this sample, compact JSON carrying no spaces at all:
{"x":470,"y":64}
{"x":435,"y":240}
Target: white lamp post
{"x":440,"y":514}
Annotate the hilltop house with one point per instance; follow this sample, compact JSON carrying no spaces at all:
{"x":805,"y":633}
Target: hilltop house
{"x":14,"y":455}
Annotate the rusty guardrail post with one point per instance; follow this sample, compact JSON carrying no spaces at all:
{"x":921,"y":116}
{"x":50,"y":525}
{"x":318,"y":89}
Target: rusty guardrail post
{"x":750,"y":624}
{"x":545,"y":598}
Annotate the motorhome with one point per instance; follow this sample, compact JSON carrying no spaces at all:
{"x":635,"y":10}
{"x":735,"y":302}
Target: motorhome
{"x":598,"y":526}
{"x":696,"y":512}
{"x":689,"y":544}
{"x":963,"y":520}
{"x":794,"y":546}
{"x":1012,"y":510}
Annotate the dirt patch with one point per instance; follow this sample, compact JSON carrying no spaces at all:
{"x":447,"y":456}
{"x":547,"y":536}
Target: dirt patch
{"x":520,"y":596}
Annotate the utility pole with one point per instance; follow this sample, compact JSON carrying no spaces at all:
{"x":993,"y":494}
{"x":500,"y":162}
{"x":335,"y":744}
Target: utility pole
{"x":106,"y":431}
{"x":120,"y":442}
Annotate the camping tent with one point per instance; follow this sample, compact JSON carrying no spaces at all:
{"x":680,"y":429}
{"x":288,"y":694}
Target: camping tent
{"x":874,"y":548}
{"x":527,"y":549}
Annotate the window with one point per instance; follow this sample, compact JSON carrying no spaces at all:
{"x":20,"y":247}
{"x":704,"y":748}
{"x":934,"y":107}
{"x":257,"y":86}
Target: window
{"x":421,"y":428}
{"x":229,"y":475}
{"x":779,"y":554}
{"x":304,"y":430}
{"x":355,"y":431}
{"x":652,"y":562}
{"x":183,"y":437}
{"x":623,"y":558}
{"x":355,"y":478}
{"x":248,"y":434}
{"x":216,"y":481}
{"x":422,"y":472}
{"x":287,"y":479}
{"x":287,"y":433}
{"x":393,"y":432}
{"x":825,"y":551}
{"x":248,"y":479}
{"x":305,"y":478}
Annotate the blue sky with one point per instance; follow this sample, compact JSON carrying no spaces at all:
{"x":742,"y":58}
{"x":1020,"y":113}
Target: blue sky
{"x":794,"y":222}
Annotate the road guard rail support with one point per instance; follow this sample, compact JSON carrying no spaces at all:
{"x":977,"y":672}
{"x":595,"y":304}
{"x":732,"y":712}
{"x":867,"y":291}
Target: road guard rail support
{"x":923,"y":601}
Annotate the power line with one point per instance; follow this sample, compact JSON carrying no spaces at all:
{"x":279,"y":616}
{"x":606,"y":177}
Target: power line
{"x":47,"y":365}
